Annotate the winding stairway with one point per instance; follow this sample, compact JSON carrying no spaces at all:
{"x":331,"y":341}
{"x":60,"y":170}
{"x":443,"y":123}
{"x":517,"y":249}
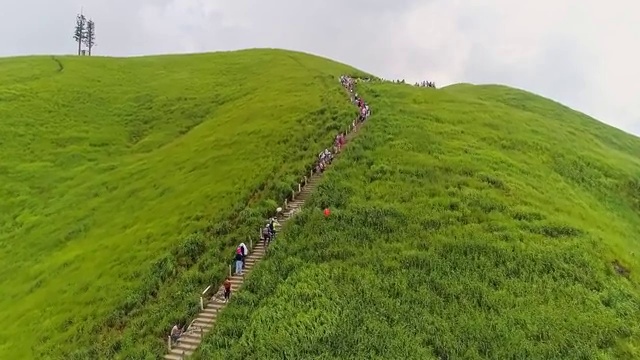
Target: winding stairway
{"x":204,"y":322}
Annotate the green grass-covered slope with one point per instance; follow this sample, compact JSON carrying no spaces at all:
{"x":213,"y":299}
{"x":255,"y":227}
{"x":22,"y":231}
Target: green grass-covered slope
{"x":125,"y":181}
{"x":468,"y":222}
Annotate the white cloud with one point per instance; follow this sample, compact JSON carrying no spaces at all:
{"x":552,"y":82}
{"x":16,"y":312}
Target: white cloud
{"x":583,"y":53}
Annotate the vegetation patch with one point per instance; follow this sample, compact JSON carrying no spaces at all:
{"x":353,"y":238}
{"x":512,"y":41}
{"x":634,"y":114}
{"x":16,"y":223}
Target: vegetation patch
{"x":126,"y":183}
{"x":620,"y":269}
{"x":482,"y":249}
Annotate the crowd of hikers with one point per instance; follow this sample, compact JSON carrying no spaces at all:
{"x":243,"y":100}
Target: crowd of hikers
{"x":324,"y":159}
{"x":269,"y":230}
{"x":425,"y":83}
{"x":429,"y":84}
{"x":364,"y":111}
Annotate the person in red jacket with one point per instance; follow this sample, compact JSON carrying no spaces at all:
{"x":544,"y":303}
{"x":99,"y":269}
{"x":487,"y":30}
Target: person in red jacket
{"x":227,"y":290}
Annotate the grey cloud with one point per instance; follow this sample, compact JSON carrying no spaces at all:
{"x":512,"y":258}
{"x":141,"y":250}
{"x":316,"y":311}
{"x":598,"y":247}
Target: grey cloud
{"x":583,"y":53}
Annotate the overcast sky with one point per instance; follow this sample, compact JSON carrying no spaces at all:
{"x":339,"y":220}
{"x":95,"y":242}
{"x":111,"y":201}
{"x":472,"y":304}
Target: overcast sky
{"x":583,"y":53}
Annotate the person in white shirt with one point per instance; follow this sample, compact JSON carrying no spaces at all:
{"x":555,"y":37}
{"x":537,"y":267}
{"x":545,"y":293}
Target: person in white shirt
{"x":175,"y":333}
{"x":245,"y":252}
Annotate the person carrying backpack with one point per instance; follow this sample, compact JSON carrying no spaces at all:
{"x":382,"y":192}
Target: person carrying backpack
{"x":266,"y":235}
{"x":272,"y":228}
{"x":239,"y":262}
{"x":244,"y":252}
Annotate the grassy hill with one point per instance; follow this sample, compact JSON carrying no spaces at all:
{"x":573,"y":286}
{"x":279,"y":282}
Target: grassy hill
{"x":124,"y":182}
{"x":468,"y":222}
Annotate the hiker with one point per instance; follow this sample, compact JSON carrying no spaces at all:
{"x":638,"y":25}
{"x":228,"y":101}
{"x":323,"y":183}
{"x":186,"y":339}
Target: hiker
{"x":176,"y":332}
{"x":266,"y":235}
{"x":342,"y":140}
{"x":272,"y":228}
{"x":328,"y":157}
{"x":244,"y":252}
{"x":320,"y":167}
{"x":271,"y":233}
{"x":336,"y":144}
{"x":227,"y":289}
{"x":239,"y":262}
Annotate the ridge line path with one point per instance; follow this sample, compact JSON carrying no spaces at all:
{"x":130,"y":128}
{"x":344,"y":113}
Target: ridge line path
{"x":204,"y":322}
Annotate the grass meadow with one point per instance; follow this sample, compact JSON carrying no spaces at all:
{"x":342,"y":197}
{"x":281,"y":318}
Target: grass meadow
{"x":125,"y":183}
{"x":470,"y":222}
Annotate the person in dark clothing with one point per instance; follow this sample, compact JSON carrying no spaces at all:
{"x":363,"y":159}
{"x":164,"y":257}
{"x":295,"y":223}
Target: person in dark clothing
{"x":272,"y":228}
{"x":238,"y":260}
{"x":266,"y":235}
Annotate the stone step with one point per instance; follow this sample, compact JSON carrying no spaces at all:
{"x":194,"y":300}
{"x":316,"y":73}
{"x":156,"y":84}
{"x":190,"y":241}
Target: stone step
{"x":187,"y":346}
{"x":204,"y":325}
{"x":190,"y":339}
{"x":213,"y":307}
{"x":208,"y":315}
{"x":205,"y":320}
{"x":186,"y":352}
{"x":198,"y":322}
{"x":178,"y":354}
{"x":254,"y":257}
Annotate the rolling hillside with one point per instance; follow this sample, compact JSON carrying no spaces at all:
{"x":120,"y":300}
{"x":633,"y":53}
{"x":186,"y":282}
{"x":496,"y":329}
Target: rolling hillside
{"x":468,"y":222}
{"x":126,"y":182}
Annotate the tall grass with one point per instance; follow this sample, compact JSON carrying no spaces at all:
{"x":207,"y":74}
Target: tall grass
{"x":469,"y":222}
{"x":125,"y":182}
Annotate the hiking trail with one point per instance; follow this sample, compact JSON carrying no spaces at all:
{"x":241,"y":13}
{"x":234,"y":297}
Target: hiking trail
{"x":206,"y":319}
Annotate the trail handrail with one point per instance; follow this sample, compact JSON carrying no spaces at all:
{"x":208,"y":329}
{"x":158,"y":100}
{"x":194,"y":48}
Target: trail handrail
{"x":202,"y":303}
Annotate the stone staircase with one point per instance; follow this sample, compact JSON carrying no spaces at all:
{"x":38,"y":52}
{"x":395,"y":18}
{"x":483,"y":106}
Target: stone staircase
{"x":192,"y":337}
{"x":190,"y":340}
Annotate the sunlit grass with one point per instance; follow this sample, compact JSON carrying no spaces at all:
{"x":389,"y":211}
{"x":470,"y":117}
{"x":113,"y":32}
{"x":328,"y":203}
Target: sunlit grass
{"x":467,"y":222}
{"x":125,"y":181}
